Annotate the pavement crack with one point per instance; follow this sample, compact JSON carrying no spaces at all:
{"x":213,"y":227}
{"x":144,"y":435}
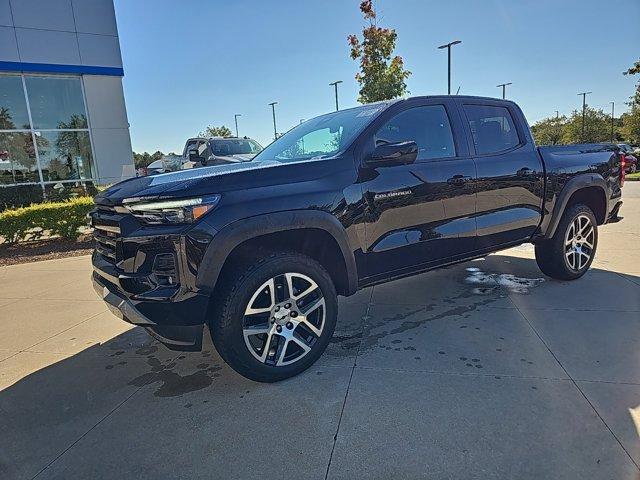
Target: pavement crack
{"x":346,"y":394}
{"x":577,"y":386}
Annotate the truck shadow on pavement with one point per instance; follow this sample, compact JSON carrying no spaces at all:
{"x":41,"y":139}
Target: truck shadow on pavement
{"x":47,"y":411}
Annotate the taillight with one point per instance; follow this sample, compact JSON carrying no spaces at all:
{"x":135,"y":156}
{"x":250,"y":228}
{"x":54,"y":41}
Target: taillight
{"x":623,"y":165}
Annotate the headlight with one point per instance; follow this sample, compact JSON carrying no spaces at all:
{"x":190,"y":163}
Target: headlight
{"x":176,"y":211}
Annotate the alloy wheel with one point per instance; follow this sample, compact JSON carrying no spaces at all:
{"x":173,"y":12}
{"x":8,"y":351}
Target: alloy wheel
{"x":579,"y":242}
{"x":284,"y":319}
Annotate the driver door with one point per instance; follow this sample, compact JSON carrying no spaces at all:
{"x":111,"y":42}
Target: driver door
{"x":422,"y":214}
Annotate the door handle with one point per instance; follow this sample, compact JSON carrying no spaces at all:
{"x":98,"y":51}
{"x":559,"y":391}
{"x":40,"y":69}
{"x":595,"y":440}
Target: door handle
{"x":458,"y":180}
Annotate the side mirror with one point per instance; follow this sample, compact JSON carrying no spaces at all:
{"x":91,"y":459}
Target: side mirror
{"x":390,"y":154}
{"x":195,"y":157}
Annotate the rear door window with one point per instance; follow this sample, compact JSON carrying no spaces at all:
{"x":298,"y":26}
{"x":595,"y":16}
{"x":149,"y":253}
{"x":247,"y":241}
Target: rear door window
{"x":428,"y":126}
{"x":492,"y":127}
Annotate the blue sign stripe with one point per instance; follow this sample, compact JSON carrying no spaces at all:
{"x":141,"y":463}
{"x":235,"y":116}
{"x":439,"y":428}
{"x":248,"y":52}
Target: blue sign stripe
{"x":58,"y":68}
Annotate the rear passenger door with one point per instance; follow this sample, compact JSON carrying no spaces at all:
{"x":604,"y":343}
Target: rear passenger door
{"x":420,"y":214}
{"x":510,"y":183}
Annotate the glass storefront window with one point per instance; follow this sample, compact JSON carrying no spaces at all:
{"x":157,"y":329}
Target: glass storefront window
{"x":64,"y":155}
{"x":17,"y":158}
{"x":13,"y":105}
{"x":56,"y":103}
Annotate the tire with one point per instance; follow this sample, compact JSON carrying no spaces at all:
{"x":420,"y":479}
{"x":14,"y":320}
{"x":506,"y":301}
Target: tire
{"x":566,"y":256}
{"x":258,"y":335}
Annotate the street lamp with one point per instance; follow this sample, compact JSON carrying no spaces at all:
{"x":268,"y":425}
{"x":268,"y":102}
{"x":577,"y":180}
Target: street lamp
{"x":448,"y":47}
{"x":335,"y":86}
{"x":613,"y":106}
{"x":273,"y":110}
{"x":584,"y":109}
{"x":235,"y":118}
{"x":504,"y":86}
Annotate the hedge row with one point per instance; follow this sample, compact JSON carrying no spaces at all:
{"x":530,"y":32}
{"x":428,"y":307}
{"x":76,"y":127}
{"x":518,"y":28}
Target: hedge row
{"x":59,"y":219}
{"x":15,"y":196}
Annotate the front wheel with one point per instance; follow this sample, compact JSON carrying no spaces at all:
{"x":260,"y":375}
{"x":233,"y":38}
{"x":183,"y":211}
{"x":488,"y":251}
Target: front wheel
{"x":569,"y":253}
{"x":276,"y":317}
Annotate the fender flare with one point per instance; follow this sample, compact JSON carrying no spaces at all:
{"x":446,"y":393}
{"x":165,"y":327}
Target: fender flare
{"x":233,"y":234}
{"x":586,"y":180}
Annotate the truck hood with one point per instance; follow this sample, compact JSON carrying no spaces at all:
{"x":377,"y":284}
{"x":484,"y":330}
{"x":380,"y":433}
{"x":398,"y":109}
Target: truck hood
{"x":218,"y":179}
{"x":240,"y":157}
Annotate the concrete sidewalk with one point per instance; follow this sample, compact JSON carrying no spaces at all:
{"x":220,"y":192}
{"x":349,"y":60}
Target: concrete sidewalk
{"x":484,"y":370}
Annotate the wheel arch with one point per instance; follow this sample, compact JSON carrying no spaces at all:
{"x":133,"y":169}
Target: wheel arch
{"x":589,"y":189}
{"x":287,"y":230}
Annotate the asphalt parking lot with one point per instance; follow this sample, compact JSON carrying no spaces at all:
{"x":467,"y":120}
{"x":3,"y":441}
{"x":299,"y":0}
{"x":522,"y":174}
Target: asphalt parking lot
{"x":483,"y":370}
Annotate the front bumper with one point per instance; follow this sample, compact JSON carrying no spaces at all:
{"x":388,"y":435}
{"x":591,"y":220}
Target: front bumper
{"x":175,"y":337}
{"x":147,"y":275}
{"x":138,"y":289}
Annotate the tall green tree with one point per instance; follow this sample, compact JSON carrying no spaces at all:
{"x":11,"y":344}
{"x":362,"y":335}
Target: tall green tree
{"x":381,"y":76}
{"x":212,"y":131}
{"x":631,"y":120}
{"x":631,"y":126}
{"x":597,"y":127}
{"x":549,"y":131}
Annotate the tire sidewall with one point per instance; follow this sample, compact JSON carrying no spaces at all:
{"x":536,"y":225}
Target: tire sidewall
{"x":228,"y":334}
{"x":574,"y":213}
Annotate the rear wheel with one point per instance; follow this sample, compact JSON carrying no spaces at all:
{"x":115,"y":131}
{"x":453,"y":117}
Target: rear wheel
{"x":571,"y":250}
{"x":276,"y":318}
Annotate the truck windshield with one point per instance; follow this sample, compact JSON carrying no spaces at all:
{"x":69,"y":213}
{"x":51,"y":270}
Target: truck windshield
{"x":321,"y":137}
{"x":234,"y":146}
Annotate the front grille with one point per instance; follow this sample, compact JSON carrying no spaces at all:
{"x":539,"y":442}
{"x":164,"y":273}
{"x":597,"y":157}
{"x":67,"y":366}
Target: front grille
{"x":106,"y":231}
{"x":106,"y":209}
{"x":105,"y":242}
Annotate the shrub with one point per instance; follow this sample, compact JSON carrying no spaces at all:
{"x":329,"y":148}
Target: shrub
{"x":19,"y":196}
{"x":60,"y":219}
{"x":14,"y":196}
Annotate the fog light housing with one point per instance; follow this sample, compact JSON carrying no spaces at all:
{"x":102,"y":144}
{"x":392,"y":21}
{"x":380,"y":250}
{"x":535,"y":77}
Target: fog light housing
{"x":164,"y":268}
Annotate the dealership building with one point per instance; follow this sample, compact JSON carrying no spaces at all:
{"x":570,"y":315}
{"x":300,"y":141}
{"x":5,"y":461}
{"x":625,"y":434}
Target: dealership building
{"x":62,"y":112}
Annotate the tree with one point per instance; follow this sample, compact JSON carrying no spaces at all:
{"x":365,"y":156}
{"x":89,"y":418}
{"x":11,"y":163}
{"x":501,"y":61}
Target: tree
{"x":6,"y":122}
{"x":631,"y":126}
{"x":549,"y":131}
{"x":212,"y":131}
{"x":634,"y":69}
{"x":631,"y":120}
{"x":142,"y":160}
{"x":71,"y":145}
{"x":597,"y":127}
{"x":381,"y":77}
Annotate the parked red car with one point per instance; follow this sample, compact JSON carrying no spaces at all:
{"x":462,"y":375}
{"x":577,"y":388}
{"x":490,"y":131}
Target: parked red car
{"x":631,"y":162}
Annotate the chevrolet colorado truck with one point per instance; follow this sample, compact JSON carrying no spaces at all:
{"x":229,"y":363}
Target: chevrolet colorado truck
{"x":257,"y":252}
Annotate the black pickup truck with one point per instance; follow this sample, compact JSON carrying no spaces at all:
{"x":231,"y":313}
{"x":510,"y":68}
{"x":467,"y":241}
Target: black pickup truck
{"x":258,"y":252}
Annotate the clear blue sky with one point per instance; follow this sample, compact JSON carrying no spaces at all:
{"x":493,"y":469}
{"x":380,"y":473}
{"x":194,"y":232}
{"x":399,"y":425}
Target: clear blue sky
{"x":193,"y":63}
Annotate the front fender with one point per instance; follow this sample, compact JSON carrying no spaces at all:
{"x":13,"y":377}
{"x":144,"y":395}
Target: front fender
{"x":244,"y":229}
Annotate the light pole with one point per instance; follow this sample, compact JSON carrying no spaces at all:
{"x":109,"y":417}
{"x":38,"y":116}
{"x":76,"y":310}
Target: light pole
{"x":613,"y":106}
{"x":558,"y":125}
{"x":235,"y":118}
{"x":448,"y":47}
{"x":504,"y":87}
{"x":335,"y":86}
{"x":273,"y":110}
{"x":584,"y":109}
